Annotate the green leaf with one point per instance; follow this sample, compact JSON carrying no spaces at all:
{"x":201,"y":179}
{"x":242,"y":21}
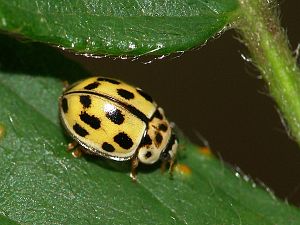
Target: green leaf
{"x":41,"y":183}
{"x":117,"y":27}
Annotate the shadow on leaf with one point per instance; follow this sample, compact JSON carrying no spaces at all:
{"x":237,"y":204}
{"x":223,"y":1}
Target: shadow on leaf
{"x":19,"y":56}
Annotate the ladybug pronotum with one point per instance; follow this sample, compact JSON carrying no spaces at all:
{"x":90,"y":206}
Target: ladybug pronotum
{"x":110,"y":118}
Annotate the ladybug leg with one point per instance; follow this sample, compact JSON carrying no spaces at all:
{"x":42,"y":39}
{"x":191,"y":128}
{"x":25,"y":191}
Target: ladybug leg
{"x":76,"y":150}
{"x":72,"y":146}
{"x":163,"y":166}
{"x":171,"y":168}
{"x":134,"y":165}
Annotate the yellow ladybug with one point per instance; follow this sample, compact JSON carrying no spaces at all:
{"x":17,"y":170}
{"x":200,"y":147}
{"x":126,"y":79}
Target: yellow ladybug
{"x":110,"y":118}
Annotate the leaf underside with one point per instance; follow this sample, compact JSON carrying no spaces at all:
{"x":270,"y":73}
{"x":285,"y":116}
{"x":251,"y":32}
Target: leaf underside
{"x":117,"y":27}
{"x":42,"y":183}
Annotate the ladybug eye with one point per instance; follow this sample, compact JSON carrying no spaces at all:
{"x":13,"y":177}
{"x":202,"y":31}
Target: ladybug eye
{"x":165,"y":156}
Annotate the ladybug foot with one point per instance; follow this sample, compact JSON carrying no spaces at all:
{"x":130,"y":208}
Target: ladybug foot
{"x":77,"y":153}
{"x":72,"y":146}
{"x":133,"y":176}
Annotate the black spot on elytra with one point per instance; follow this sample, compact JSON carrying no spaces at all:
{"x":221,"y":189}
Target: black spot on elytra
{"x":92,"y":121}
{"x":162,"y":127}
{"x":158,"y":115}
{"x":64,"y":105}
{"x":148,"y":154}
{"x":115,"y":116}
{"x":108,"y":80}
{"x":123,"y":140}
{"x":146,"y":140}
{"x":80,"y":130}
{"x":92,"y":85}
{"x":125,"y":94}
{"x":85,"y":100}
{"x":158,"y":138}
{"x":137,"y":113}
{"x":108,"y":147}
{"x":145,"y":95}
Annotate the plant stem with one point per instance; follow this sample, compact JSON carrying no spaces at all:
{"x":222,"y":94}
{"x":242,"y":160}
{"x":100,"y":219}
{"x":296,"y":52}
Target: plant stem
{"x":261,"y":31}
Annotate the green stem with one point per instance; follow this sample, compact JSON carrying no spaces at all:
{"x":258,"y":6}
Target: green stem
{"x":266,"y":40}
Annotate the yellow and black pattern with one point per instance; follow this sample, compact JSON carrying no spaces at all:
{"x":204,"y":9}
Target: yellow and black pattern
{"x":118,"y":91}
{"x":156,"y":139}
{"x":101,"y":126}
{"x":118,"y":121}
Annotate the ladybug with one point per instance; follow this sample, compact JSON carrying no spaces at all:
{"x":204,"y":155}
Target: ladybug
{"x":112,"y":119}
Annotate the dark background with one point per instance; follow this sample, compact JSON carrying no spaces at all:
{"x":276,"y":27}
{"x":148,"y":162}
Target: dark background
{"x":212,"y":91}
